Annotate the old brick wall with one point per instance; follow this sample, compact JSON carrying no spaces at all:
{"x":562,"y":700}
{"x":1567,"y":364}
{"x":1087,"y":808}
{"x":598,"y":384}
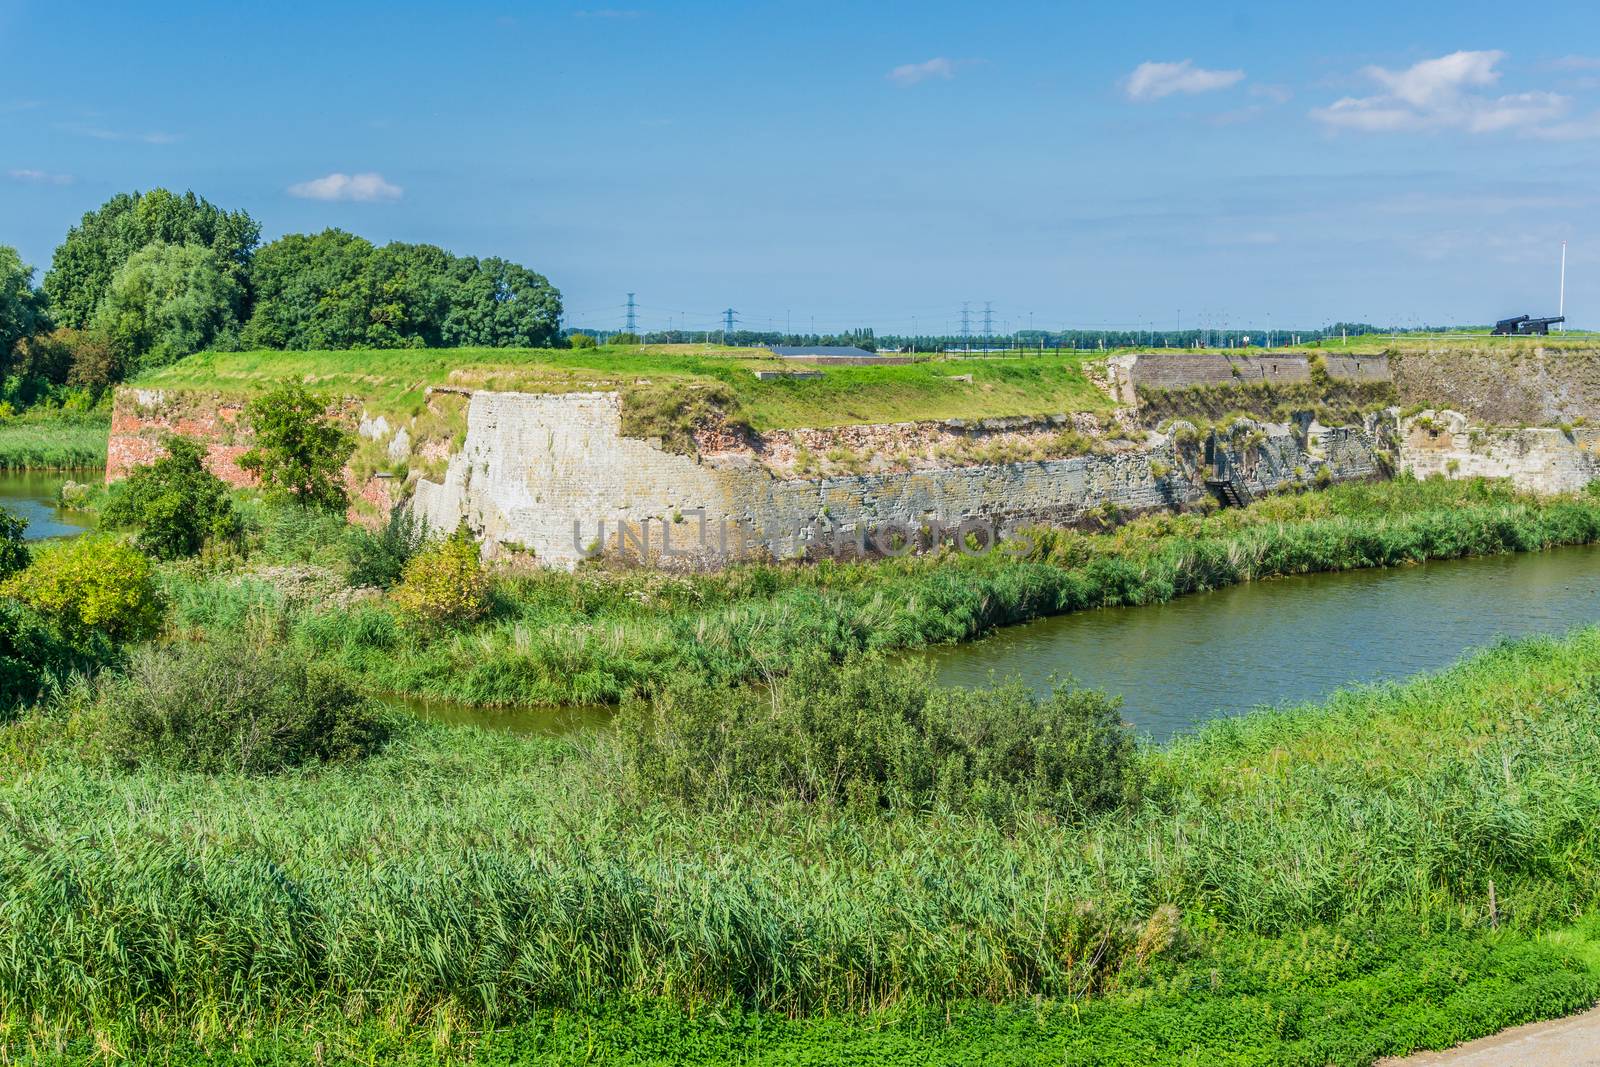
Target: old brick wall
{"x":1131,"y":373}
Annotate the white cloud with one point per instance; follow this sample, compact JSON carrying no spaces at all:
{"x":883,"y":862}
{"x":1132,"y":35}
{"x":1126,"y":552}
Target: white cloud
{"x":148,"y":137}
{"x":368,"y":186}
{"x":1438,"y":94}
{"x":908,"y":74}
{"x":1152,"y":81}
{"x":1575,"y":63}
{"x":39,"y":177}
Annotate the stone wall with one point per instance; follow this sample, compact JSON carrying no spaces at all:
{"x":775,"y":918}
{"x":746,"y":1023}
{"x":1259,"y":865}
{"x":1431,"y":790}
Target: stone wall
{"x":1446,"y":444}
{"x":1131,"y":373}
{"x":552,"y":474}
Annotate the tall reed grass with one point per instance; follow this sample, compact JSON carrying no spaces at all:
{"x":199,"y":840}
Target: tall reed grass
{"x":479,"y":878}
{"x":596,"y":637}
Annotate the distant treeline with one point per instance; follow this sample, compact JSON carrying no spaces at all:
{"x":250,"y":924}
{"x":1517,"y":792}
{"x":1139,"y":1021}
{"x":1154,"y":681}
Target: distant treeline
{"x":148,"y":278}
{"x":1021,"y":339}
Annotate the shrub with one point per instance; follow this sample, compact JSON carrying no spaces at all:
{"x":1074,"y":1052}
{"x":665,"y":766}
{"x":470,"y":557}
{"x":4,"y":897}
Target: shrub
{"x":870,"y":731}
{"x":91,"y":583}
{"x":229,"y":706}
{"x":298,"y":454}
{"x":445,"y":584}
{"x":582,"y":340}
{"x":177,"y":504}
{"x":379,"y":557}
{"x":13,"y":548}
{"x":36,"y":659}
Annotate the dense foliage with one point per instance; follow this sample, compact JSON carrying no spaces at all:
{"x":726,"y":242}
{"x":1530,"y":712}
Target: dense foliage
{"x":166,"y":302}
{"x":85,"y":264}
{"x":299,"y":453}
{"x":90,"y":586}
{"x":148,"y":278}
{"x":337,"y":290}
{"x":21,"y":305}
{"x":235,"y":705}
{"x":175,"y":503}
{"x":869,"y":732}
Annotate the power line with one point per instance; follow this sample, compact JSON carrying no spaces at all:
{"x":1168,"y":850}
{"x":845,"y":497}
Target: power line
{"x":633,"y":325}
{"x":728,"y":319}
{"x":988,"y":326}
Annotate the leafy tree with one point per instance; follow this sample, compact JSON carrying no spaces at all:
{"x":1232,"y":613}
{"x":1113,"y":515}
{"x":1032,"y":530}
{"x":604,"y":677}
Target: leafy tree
{"x":90,"y":584}
{"x":21,"y":305}
{"x":175,"y":502}
{"x":336,"y":290}
{"x":497,"y":304}
{"x":13,"y":548}
{"x":311,"y":291}
{"x":299,"y":453}
{"x":166,"y":302}
{"x":445,"y":584}
{"x":582,"y":340}
{"x":83,"y":266}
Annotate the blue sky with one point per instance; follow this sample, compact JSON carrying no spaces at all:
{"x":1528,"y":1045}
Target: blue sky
{"x":858,"y":164}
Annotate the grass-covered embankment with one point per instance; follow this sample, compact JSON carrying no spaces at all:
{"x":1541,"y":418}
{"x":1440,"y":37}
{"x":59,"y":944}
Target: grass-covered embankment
{"x":1400,"y":867}
{"x":393,"y":381}
{"x":595,"y":636}
{"x":51,"y":439}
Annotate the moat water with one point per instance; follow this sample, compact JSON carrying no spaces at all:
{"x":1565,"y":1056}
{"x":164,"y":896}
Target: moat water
{"x":1175,"y":665}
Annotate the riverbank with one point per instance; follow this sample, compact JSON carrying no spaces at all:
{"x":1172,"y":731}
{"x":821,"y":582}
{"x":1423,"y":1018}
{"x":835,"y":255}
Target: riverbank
{"x":1394,"y":869}
{"x":598,"y":635}
{"x":54,"y":439}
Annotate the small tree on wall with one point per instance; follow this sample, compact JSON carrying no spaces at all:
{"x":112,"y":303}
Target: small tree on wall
{"x":299,"y":453}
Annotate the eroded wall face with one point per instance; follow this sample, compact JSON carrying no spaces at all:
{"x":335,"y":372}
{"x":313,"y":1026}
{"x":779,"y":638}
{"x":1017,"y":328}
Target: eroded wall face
{"x":1538,"y":460}
{"x":552,"y":474}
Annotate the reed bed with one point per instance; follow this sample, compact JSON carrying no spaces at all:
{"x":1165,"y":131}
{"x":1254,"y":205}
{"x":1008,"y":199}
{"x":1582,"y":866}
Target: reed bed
{"x":597,"y":637}
{"x":482,"y":878}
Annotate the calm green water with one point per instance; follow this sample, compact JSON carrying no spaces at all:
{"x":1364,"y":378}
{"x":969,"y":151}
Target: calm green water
{"x":1290,"y":639}
{"x":32,"y":494}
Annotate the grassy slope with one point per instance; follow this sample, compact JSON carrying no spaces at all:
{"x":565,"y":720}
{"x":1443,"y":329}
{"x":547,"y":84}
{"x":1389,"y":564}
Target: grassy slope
{"x":1331,"y":866}
{"x":392,"y":381}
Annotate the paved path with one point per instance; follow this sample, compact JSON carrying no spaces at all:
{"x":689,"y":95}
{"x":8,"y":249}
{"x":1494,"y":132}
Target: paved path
{"x":1570,"y":1042}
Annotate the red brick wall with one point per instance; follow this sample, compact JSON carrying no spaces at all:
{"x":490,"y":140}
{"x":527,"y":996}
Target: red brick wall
{"x":140,"y":418}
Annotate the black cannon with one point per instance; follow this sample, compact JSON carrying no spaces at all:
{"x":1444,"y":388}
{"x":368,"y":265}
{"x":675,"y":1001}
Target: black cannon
{"x":1523,"y":326}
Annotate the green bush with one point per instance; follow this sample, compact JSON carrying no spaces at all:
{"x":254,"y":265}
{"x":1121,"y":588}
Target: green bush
{"x":871,"y":731}
{"x":175,"y":502}
{"x":299,"y":454}
{"x":231,"y":706}
{"x":445,"y":584}
{"x":582,"y":340}
{"x":379,"y":557}
{"x":92,"y":583}
{"x":36,"y":659}
{"x":13,"y":548}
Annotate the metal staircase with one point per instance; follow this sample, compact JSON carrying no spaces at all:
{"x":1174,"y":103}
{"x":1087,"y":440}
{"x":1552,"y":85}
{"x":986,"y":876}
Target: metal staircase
{"x":1224,"y":480}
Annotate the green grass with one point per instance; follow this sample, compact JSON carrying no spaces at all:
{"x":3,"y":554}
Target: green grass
{"x":392,"y":381}
{"x":54,"y":440}
{"x":1309,"y":885}
{"x":595,"y":636}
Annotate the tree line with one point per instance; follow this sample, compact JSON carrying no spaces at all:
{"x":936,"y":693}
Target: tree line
{"x":148,"y":278}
